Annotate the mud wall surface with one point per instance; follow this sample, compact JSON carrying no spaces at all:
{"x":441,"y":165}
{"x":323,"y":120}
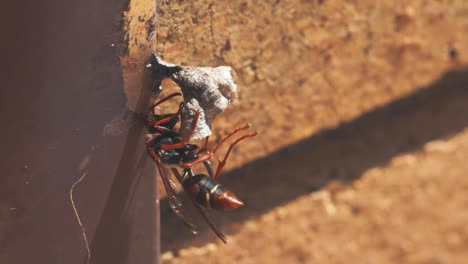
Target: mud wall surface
{"x":334,"y":89}
{"x":305,"y":66}
{"x":356,"y":92}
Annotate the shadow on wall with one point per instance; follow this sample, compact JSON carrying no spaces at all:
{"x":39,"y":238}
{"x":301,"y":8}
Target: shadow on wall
{"x":342,"y":153}
{"x":113,"y":237}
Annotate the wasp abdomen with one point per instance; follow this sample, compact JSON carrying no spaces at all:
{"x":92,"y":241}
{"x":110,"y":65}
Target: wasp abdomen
{"x":210,"y":193}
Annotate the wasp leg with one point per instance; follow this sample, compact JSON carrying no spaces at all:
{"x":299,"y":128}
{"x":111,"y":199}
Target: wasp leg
{"x":165,"y":130}
{"x":176,"y":205}
{"x":174,"y":146}
{"x":194,"y":125}
{"x":204,"y":146}
{"x":165,"y":120}
{"x":223,"y":162}
{"x":209,"y":168}
{"x":169,"y":118}
{"x":198,"y":161}
{"x":229,"y":135}
{"x":165,"y":99}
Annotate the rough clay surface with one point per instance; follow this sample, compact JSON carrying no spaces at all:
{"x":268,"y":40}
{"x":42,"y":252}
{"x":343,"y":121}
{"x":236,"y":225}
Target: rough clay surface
{"x":412,"y":210}
{"x":308,"y":66}
{"x":305,"y":66}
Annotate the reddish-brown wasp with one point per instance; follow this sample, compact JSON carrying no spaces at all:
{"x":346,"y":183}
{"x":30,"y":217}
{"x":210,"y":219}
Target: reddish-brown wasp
{"x":167,"y":148}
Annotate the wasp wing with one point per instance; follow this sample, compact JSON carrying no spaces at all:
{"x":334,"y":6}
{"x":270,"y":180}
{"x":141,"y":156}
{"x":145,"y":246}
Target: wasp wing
{"x":175,"y":203}
{"x":218,"y":233}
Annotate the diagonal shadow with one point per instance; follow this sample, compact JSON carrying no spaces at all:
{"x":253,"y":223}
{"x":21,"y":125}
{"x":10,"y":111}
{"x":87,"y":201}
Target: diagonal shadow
{"x":112,"y":239}
{"x":343,"y":153}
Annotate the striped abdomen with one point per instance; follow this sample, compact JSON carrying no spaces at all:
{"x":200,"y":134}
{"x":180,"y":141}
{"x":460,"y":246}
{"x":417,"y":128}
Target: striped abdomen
{"x":210,"y":193}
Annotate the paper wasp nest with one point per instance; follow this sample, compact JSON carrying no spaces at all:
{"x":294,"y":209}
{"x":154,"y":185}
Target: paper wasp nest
{"x":206,"y":89}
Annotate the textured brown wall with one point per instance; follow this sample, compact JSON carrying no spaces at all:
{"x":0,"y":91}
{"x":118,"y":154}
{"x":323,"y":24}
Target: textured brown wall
{"x":305,"y":66}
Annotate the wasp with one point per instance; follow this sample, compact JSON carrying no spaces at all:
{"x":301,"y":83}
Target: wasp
{"x":166,"y":147}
